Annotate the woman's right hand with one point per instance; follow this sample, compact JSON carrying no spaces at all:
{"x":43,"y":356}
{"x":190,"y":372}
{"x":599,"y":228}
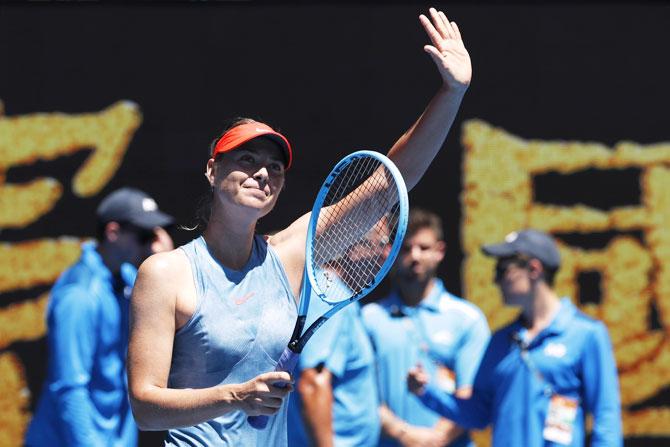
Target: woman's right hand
{"x":447,"y":50}
{"x":264,"y":394}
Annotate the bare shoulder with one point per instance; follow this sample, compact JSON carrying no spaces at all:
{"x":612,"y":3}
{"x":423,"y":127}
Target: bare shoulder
{"x":162,"y":276}
{"x":165,"y":264}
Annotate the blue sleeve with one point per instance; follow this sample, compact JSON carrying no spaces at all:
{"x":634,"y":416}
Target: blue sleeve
{"x":328,"y":344}
{"x":72,"y":343}
{"x":468,"y":413}
{"x":471,"y":351}
{"x":601,"y":389}
{"x":474,"y":412}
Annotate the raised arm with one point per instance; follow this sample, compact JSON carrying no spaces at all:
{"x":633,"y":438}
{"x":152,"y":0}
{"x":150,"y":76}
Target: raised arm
{"x":414,"y":151}
{"x":417,"y":147}
{"x":155,"y":310}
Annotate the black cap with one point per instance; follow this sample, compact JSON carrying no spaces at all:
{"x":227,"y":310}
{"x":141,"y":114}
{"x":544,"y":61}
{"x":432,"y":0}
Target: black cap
{"x":133,"y":206}
{"x":533,"y":243}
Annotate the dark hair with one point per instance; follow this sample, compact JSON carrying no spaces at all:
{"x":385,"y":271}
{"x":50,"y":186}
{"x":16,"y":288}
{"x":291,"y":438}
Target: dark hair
{"x":420,"y":218}
{"x":100,"y":230}
{"x":549,"y":274}
{"x":202,"y":212}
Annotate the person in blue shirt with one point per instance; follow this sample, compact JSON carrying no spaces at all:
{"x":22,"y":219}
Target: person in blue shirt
{"x":420,"y":322}
{"x":336,"y":403}
{"x":542,"y":374}
{"x":84,"y":401}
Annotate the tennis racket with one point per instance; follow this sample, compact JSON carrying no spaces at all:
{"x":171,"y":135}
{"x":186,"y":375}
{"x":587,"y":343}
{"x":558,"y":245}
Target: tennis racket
{"x":355,"y":232}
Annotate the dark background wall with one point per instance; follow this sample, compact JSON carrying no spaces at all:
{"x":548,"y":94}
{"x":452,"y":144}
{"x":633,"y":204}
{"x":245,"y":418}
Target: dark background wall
{"x":334,"y":78}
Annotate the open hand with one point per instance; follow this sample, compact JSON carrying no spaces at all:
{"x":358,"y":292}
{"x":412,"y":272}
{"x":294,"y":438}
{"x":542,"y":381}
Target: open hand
{"x":447,"y":50}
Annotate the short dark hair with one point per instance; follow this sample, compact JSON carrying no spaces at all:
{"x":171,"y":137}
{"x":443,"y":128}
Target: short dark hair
{"x":549,"y":274}
{"x":100,"y":230}
{"x":420,"y":218}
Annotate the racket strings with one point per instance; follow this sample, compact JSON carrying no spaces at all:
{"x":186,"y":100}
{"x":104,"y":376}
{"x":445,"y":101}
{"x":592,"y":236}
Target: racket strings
{"x":357,"y":225}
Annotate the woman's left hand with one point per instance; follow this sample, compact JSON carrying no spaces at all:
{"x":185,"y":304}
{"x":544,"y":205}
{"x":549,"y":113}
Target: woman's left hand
{"x":447,"y":50}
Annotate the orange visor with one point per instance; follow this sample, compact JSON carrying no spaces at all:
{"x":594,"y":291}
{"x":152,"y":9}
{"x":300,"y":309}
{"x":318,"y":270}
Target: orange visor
{"x":239,"y":135}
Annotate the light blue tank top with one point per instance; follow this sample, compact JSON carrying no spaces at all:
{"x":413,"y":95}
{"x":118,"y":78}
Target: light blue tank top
{"x":242,"y":323}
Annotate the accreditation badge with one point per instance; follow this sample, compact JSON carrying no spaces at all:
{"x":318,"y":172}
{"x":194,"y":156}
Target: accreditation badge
{"x":560,"y":421}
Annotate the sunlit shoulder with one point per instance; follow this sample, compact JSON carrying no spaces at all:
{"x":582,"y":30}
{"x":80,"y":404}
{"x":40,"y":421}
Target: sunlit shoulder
{"x":165,"y":266}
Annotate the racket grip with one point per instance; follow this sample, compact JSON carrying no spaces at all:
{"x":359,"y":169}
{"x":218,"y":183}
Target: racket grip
{"x":287,"y":363}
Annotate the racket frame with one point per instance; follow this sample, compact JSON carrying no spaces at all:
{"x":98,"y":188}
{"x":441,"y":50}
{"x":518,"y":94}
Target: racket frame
{"x":310,"y":284}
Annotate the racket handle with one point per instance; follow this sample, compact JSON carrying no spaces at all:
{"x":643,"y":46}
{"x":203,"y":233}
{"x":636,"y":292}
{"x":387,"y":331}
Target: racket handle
{"x":287,"y":363}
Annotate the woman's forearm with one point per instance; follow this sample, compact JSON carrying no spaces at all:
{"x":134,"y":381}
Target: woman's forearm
{"x":158,"y":408}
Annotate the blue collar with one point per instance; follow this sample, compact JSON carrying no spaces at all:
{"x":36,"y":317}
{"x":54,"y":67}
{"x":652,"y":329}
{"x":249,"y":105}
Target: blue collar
{"x":430,"y":303}
{"x":564,"y":316}
{"x":92,"y":259}
{"x":566,"y":313}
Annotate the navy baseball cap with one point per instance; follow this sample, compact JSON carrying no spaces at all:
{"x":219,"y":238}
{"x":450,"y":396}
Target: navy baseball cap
{"x":133,"y":206}
{"x":529,"y":242}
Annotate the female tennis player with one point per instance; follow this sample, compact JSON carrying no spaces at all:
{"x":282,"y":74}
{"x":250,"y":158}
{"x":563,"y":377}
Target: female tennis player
{"x":210,"y":318}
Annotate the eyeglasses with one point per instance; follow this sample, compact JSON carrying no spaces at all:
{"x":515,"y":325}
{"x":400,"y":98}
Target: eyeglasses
{"x":503,"y":265}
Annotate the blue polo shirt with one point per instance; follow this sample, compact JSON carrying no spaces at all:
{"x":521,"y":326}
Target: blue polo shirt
{"x":342,"y":346}
{"x":572,"y":357}
{"x":442,"y":331}
{"x":84,"y":401}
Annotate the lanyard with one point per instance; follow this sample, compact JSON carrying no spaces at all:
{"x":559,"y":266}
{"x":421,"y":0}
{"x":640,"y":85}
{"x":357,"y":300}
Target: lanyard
{"x":420,"y":329}
{"x":528,"y":361}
